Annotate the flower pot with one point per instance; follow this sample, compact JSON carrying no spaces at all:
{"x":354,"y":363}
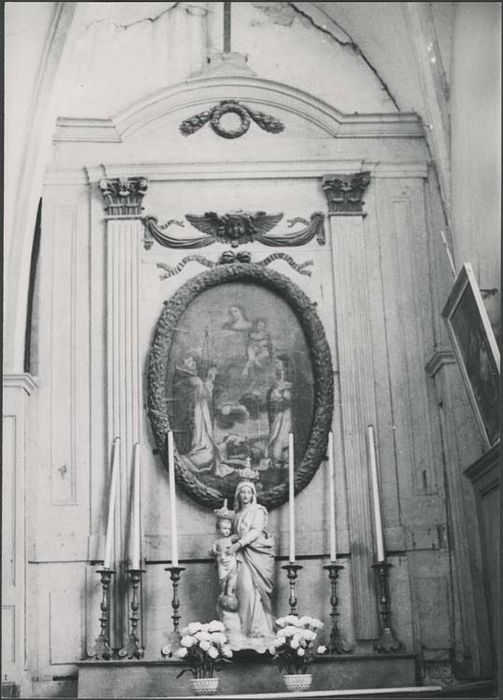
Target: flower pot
{"x":204,"y":686}
{"x":297,"y":682}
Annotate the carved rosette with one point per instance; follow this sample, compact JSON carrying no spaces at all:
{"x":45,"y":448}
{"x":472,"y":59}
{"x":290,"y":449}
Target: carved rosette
{"x":123,"y":195}
{"x":345,"y":193}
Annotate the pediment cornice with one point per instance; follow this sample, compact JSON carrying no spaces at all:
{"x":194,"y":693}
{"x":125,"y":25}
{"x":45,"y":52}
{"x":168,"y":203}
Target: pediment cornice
{"x":202,"y":93}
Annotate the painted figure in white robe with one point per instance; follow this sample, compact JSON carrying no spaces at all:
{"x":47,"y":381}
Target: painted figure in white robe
{"x":254,"y":548}
{"x":279,"y":400}
{"x":191,"y":416}
{"x":259,"y":348}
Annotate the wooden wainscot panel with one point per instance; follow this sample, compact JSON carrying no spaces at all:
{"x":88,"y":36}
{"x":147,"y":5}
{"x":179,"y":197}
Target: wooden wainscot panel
{"x":8,"y":636}
{"x":8,"y":503}
{"x":59,"y":477}
{"x":485,"y":477}
{"x":432,"y":597}
{"x":65,"y":608}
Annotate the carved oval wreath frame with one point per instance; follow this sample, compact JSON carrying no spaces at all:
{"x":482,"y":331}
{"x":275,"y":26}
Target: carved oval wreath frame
{"x":320,"y":358}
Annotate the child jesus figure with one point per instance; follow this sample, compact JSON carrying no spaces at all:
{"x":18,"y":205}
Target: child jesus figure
{"x":227,"y":566}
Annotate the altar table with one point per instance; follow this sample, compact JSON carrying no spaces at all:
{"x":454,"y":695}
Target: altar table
{"x":157,"y":679}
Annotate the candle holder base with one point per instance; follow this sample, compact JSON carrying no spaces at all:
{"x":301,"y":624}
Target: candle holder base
{"x":291,"y":571}
{"x":133,"y":648}
{"x":338,"y":644}
{"x":175,"y":573}
{"x":102,"y":649}
{"x":387,"y":641}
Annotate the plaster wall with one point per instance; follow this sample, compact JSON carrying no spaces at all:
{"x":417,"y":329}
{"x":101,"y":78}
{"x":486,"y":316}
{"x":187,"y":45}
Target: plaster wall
{"x":443,"y":18}
{"x":163,"y":46}
{"x":26,"y":29}
{"x":475,"y":145}
{"x":30,"y":118}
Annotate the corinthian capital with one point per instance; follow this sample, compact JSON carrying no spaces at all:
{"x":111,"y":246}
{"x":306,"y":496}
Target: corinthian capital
{"x":344,"y":193}
{"x":123,"y":195}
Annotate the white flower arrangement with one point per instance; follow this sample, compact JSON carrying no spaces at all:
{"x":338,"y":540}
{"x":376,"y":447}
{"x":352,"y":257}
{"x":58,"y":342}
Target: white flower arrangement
{"x":203,"y":646}
{"x":293,"y":646}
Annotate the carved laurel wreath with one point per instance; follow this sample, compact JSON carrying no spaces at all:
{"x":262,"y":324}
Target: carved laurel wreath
{"x":245,"y":114}
{"x":320,"y":359}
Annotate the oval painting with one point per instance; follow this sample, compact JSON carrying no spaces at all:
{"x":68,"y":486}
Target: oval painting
{"x":238,"y":378}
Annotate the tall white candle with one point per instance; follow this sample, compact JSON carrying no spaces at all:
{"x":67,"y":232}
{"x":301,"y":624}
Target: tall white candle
{"x":136,"y":525}
{"x":112,"y":498}
{"x":375,"y":493}
{"x":291,"y":496}
{"x":172,"y":500}
{"x":331,"y":496}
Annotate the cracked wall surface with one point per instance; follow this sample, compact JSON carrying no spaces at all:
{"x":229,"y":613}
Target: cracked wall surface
{"x":284,"y":13}
{"x":127,"y":15}
{"x":125,"y":52}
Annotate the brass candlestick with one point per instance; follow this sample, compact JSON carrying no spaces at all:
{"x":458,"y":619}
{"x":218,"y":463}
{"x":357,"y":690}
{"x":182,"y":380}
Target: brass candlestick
{"x":175,"y":573}
{"x":133,"y":648}
{"x":387,"y":641}
{"x":102,"y":649}
{"x":338,"y":644}
{"x":291,"y":571}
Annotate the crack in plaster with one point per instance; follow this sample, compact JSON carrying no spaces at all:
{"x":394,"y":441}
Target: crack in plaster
{"x":347,"y":44}
{"x":201,"y":12}
{"x":278,"y":12}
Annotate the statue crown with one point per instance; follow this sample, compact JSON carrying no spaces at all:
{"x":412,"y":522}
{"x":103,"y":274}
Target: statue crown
{"x":224,"y":513}
{"x":248,"y":473}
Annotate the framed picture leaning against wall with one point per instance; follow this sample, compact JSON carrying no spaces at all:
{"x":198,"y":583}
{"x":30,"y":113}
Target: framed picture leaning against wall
{"x":476,"y":350}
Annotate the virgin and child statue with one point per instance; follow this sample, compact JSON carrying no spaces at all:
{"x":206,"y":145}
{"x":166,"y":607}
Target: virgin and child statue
{"x":244,"y":551}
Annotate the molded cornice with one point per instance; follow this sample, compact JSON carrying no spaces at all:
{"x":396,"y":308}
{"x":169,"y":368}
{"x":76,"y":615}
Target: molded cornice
{"x":20,"y":381}
{"x":288,"y":167}
{"x":206,"y":92}
{"x":441,"y":357}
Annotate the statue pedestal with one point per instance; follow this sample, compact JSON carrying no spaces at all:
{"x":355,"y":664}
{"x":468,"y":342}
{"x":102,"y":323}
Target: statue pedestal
{"x":249,"y":673}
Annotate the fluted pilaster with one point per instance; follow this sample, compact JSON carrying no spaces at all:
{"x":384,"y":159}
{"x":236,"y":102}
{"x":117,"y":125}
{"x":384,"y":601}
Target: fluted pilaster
{"x":124,"y":378}
{"x":356,"y":375}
